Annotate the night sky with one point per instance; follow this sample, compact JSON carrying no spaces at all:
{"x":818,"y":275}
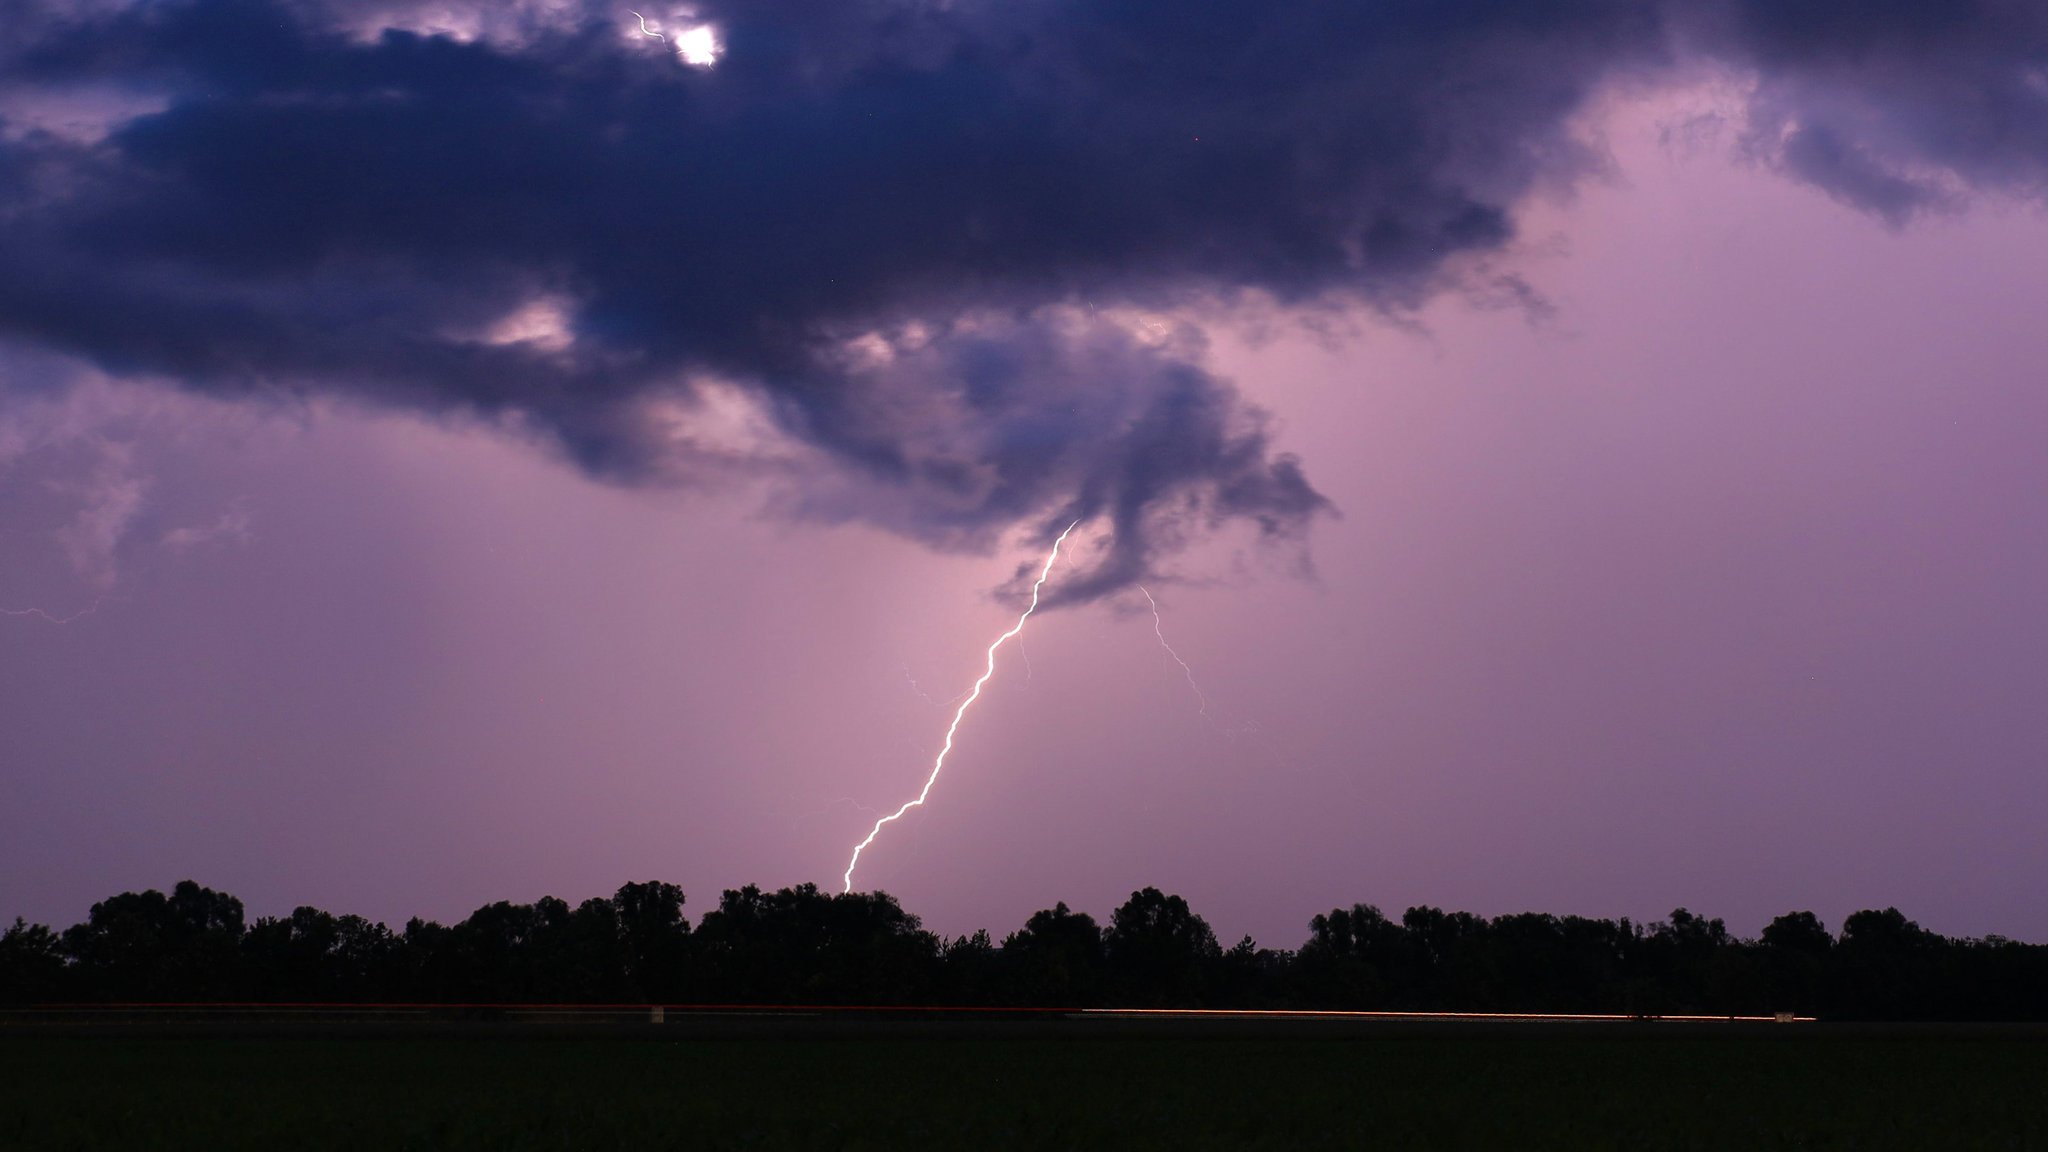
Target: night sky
{"x":1588,"y":454}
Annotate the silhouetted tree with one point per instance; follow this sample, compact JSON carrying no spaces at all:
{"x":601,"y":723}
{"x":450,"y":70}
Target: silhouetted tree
{"x":971,"y":971}
{"x":314,"y":956}
{"x":1675,"y":958}
{"x":1254,"y":977}
{"x":144,"y":946}
{"x":1884,"y":968}
{"x":1795,"y":950}
{"x":1995,"y":979}
{"x":655,"y":938}
{"x":1446,"y":973}
{"x":494,"y":952}
{"x":799,"y":945}
{"x":1055,"y":960}
{"x":591,"y":957}
{"x":1349,"y":957}
{"x":1539,"y":963}
{"x":1159,"y":951}
{"x":31,"y":964}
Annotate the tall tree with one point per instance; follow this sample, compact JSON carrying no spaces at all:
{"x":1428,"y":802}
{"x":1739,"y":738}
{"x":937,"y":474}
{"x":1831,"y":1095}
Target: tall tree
{"x":146,"y":946}
{"x":31,"y":964}
{"x":654,"y":938}
{"x":1159,"y":951}
{"x":1055,"y":960}
{"x":801,"y":945}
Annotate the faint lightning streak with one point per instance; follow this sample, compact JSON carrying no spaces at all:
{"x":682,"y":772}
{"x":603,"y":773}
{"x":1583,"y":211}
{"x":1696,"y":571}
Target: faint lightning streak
{"x":926,"y":696}
{"x":974,"y":694}
{"x":94,"y":607}
{"x":922,"y":694}
{"x":843,"y":800}
{"x":1185,"y":670}
{"x":644,"y":29}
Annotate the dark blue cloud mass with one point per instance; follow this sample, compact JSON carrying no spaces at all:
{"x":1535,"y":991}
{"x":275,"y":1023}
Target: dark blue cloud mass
{"x":1895,"y":106}
{"x":919,"y":234}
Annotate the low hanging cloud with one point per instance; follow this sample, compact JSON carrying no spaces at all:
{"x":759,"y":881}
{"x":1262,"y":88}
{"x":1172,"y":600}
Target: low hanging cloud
{"x":918,"y":237}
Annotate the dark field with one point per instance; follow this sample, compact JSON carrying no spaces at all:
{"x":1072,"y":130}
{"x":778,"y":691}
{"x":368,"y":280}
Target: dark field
{"x":1021,"y":1084}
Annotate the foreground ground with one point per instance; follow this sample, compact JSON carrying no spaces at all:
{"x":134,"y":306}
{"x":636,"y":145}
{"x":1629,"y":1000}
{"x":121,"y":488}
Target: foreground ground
{"x":1044,"y":1084}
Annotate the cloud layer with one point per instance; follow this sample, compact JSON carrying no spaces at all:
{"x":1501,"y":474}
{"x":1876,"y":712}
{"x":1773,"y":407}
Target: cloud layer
{"x":928,"y":242}
{"x":1895,"y":106}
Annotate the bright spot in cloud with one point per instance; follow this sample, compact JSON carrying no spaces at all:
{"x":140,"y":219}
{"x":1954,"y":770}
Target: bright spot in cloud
{"x":542,"y":324}
{"x":716,"y":421}
{"x":699,"y":46}
{"x":696,"y":45}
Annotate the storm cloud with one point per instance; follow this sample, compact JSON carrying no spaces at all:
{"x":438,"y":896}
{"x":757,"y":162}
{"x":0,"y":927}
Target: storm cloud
{"x":1895,"y":106}
{"x":948,"y":249}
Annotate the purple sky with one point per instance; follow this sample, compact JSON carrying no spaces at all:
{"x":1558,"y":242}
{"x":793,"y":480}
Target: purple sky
{"x":1720,"y":580}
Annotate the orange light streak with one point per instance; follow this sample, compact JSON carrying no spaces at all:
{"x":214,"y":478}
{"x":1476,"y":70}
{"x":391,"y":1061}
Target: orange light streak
{"x":1344,"y":1014}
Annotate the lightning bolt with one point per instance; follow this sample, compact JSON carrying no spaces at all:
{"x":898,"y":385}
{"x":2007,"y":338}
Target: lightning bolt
{"x":974,"y":694}
{"x":644,"y":29}
{"x":94,"y":607}
{"x":1185,"y":670}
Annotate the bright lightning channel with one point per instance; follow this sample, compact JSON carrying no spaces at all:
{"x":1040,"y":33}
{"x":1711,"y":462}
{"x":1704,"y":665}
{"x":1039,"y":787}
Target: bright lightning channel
{"x":987,"y":673}
{"x":1185,"y":670}
{"x":644,"y":29}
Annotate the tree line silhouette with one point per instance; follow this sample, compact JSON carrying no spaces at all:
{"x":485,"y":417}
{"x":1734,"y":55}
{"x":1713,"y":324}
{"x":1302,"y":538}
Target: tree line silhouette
{"x":803,"y":946}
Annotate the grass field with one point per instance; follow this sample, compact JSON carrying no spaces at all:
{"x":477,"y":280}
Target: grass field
{"x":1532,"y":1087}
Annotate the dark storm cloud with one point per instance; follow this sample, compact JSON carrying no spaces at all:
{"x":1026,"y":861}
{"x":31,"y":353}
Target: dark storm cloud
{"x":1060,"y":416}
{"x":1896,"y":106}
{"x":901,"y":226}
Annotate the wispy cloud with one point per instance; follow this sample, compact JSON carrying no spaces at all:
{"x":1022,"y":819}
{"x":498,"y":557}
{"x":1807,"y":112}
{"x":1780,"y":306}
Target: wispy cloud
{"x":232,"y":526}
